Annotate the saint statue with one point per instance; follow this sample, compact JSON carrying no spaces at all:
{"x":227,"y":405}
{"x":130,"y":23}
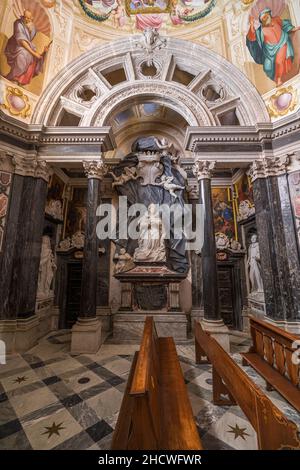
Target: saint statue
{"x":254,"y":265}
{"x":46,"y":269}
{"x":151,"y":244}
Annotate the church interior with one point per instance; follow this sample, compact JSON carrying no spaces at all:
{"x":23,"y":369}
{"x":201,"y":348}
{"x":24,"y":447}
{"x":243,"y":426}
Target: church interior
{"x":149,"y":225}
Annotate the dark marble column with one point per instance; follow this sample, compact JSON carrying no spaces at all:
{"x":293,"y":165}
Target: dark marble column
{"x":196,"y":269}
{"x":203,"y":172}
{"x":86,"y":334}
{"x":277,"y":239}
{"x":89,"y":283}
{"x":23,"y":237}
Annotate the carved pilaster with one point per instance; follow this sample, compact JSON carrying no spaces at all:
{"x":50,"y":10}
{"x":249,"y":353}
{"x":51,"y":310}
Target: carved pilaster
{"x":203,"y":169}
{"x":95,"y":169}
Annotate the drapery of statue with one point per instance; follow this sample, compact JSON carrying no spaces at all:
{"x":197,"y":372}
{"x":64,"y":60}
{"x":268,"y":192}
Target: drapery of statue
{"x":150,"y":175}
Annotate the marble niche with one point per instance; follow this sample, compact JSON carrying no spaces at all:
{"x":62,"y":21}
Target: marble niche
{"x":150,"y":268}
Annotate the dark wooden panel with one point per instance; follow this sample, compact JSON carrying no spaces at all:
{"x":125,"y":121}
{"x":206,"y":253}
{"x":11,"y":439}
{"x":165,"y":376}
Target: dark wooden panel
{"x":73,"y":293}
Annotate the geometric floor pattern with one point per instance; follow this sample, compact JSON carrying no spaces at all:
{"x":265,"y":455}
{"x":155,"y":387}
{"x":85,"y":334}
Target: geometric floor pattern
{"x":51,"y":400}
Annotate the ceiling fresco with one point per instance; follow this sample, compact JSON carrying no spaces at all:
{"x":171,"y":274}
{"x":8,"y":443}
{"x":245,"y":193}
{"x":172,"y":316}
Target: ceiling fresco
{"x":259,"y":37}
{"x":147,"y":13}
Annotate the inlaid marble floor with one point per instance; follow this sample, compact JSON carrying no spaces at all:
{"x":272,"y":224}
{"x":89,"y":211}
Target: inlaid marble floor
{"x":50,"y":400}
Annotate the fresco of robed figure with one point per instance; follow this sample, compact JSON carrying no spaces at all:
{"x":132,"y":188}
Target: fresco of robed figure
{"x":271,"y":44}
{"x":25,"y":50}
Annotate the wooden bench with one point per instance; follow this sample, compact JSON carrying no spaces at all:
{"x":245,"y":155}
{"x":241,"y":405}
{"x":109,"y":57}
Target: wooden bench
{"x":231,"y":386}
{"x":156,"y":412}
{"x":271,"y":356}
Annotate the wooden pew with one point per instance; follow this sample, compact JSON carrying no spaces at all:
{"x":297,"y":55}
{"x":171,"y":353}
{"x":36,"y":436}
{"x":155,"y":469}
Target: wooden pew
{"x":271,"y":356}
{"x":231,"y":386}
{"x":156,"y":412}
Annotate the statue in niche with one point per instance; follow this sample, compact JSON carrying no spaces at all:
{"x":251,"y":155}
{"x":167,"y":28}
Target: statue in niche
{"x":151,"y":245}
{"x":152,"y":159}
{"x":124,"y":261}
{"x":47,"y":269}
{"x":254,"y":265}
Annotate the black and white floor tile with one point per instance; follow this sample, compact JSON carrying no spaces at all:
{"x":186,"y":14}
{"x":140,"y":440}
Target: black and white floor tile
{"x":50,"y":400}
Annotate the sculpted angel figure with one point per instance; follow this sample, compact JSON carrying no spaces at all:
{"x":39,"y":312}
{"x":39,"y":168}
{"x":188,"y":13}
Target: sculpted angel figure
{"x":129,"y":174}
{"x":166,"y":183}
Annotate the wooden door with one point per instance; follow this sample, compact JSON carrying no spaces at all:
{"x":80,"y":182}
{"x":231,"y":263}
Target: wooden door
{"x":73,"y":293}
{"x":226,"y":295}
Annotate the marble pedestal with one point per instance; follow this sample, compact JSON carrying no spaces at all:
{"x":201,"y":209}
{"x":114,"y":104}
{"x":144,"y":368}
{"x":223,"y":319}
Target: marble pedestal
{"x":129,"y":326}
{"x":219,"y":331}
{"x":43,"y":310}
{"x":104,"y":315}
{"x":19,"y":335}
{"x":196,"y":315}
{"x":257,"y":304}
{"x":86,"y":336}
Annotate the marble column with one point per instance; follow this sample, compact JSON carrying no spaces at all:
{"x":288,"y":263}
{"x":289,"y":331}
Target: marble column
{"x":277,"y":235}
{"x":212,"y":317}
{"x":21,"y":253}
{"x":86,"y":333}
{"x":197,"y":312}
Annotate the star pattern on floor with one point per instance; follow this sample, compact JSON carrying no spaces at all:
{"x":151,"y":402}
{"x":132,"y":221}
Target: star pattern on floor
{"x":238,"y":432}
{"x":64,"y":402}
{"x":54,"y":429}
{"x":19,"y":380}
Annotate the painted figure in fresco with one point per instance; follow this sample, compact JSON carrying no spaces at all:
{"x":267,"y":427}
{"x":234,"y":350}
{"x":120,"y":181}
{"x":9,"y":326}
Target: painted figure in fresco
{"x":270,"y":44}
{"x":21,"y":54}
{"x":119,"y":15}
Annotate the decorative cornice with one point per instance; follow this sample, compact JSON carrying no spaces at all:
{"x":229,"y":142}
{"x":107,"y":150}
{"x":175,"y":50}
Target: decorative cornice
{"x":95,"y":169}
{"x":268,"y":167}
{"x":203,"y":169}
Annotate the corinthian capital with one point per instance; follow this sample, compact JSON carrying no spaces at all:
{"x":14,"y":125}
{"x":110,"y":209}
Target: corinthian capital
{"x":25,"y":166}
{"x":203,"y":169}
{"x":269,"y":166}
{"x":95,"y":169}
{"x":43,"y":170}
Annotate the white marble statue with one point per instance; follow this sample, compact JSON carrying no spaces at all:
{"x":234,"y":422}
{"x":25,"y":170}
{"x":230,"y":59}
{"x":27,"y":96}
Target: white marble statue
{"x":254,"y":266}
{"x":124,"y":261}
{"x":246,"y":209}
{"x":167,"y":183}
{"x":151,"y":242}
{"x":46,"y":270}
{"x":222,"y":241}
